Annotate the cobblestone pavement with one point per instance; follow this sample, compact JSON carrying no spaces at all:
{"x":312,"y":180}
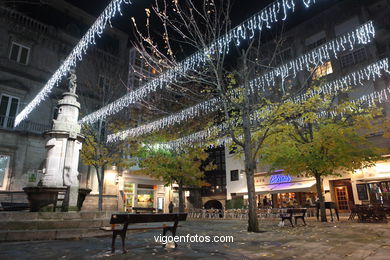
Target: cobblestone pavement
{"x":338,"y":240}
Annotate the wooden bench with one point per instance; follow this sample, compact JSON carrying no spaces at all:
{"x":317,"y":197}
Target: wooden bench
{"x":294,"y":213}
{"x":125,"y":219}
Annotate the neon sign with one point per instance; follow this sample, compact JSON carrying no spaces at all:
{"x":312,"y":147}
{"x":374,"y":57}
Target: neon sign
{"x":279,"y":178}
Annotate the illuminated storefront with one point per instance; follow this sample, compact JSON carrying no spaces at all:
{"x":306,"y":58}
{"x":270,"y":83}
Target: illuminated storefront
{"x":143,"y":192}
{"x":370,"y":185}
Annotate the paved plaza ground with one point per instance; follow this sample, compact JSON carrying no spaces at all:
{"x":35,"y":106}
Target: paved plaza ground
{"x":337,"y":240}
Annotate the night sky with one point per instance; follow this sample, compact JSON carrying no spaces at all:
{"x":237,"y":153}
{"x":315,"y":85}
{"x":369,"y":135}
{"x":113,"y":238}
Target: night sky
{"x":241,"y":9}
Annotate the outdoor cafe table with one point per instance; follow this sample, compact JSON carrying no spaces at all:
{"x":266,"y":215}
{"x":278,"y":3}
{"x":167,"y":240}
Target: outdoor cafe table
{"x":372,"y":213}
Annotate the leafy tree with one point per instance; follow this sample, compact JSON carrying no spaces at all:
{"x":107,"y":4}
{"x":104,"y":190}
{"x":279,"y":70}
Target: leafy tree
{"x":183,"y":169}
{"x":98,"y":153}
{"x":319,"y":144}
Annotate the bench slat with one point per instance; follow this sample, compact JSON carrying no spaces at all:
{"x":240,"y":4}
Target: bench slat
{"x":137,"y":228}
{"x":122,"y":218}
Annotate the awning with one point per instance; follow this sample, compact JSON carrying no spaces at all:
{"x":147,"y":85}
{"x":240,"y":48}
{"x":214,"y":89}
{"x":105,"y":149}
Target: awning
{"x":302,"y":186}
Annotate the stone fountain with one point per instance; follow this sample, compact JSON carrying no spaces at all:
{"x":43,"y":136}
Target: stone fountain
{"x":60,"y":177}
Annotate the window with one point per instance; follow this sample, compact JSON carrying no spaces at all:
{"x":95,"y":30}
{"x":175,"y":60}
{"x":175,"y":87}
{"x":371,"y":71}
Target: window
{"x":234,"y":175}
{"x":323,"y":70}
{"x":8,"y":110}
{"x":353,"y":58}
{"x":19,"y":53}
{"x":4,"y":167}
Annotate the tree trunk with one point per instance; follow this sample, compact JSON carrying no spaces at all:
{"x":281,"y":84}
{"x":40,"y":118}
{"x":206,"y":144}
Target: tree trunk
{"x":253,"y":224}
{"x":321,"y":198}
{"x":181,"y":199}
{"x":250,"y":165}
{"x":100,"y":177}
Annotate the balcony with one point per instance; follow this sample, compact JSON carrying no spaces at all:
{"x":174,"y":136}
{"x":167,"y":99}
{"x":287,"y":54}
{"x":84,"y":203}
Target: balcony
{"x":7,"y":123}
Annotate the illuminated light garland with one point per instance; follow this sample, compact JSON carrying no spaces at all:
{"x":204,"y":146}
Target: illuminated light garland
{"x":372,"y":72}
{"x":186,"y":114}
{"x":77,"y":54}
{"x":363,"y":35}
{"x":244,"y":31}
{"x":365,"y":31}
{"x":370,"y":99}
{"x":202,"y":137}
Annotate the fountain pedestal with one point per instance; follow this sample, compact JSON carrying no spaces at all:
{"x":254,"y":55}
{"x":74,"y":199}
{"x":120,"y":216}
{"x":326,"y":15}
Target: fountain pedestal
{"x":63,"y":146}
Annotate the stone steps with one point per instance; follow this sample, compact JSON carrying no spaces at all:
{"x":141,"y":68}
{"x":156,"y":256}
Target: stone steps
{"x":23,"y":215}
{"x":52,"y":224}
{"x":50,"y":234}
{"x":24,"y":226}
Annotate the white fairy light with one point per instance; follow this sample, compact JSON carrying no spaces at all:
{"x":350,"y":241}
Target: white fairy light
{"x":361,"y":36}
{"x":369,"y":99}
{"x":77,"y":53}
{"x":258,"y":22}
{"x":372,"y":72}
{"x":292,"y":68}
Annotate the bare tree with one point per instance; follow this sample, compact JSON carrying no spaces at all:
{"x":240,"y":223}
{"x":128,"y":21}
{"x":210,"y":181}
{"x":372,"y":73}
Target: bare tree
{"x":192,"y":26}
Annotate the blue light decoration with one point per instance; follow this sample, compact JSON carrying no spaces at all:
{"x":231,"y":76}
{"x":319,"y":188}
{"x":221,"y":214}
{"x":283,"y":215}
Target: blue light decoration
{"x":279,"y":178}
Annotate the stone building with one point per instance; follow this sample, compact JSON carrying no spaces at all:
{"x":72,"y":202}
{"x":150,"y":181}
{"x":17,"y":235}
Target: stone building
{"x":372,"y":184}
{"x":34,"y":40}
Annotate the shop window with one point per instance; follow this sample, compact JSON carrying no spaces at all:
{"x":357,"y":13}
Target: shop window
{"x":145,"y":196}
{"x":379,"y":192}
{"x":353,"y":58}
{"x":4,"y":168}
{"x":323,"y":70}
{"x":19,"y":53}
{"x":362,"y":191}
{"x":234,"y":175}
{"x":8,"y":109}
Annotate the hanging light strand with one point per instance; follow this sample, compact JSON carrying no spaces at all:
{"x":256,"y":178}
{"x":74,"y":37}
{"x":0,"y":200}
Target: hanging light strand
{"x":365,"y":31}
{"x":278,"y":10}
{"x":371,"y":73}
{"x":76,"y":54}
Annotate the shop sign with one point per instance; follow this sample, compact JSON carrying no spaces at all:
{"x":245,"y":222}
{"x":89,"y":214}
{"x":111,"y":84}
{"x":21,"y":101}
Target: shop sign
{"x":279,"y":178}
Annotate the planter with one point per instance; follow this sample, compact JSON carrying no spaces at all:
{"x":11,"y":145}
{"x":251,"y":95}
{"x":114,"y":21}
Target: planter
{"x":82,"y":194}
{"x":43,"y":198}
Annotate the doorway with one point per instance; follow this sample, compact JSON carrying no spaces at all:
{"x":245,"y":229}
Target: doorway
{"x":343,"y":194}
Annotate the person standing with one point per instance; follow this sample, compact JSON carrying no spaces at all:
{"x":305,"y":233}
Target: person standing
{"x":170,"y":207}
{"x":265,"y":202}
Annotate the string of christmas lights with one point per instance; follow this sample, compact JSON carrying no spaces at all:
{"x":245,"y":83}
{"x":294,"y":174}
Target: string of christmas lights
{"x":307,"y":61}
{"x":372,"y":72}
{"x":369,"y":99}
{"x":76,"y":55}
{"x":361,"y":36}
{"x":278,"y":10}
{"x":204,"y":137}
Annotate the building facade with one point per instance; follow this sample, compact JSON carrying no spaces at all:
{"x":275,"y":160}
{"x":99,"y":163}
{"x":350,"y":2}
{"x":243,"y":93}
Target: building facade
{"x":32,"y":47}
{"x":372,"y":184}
